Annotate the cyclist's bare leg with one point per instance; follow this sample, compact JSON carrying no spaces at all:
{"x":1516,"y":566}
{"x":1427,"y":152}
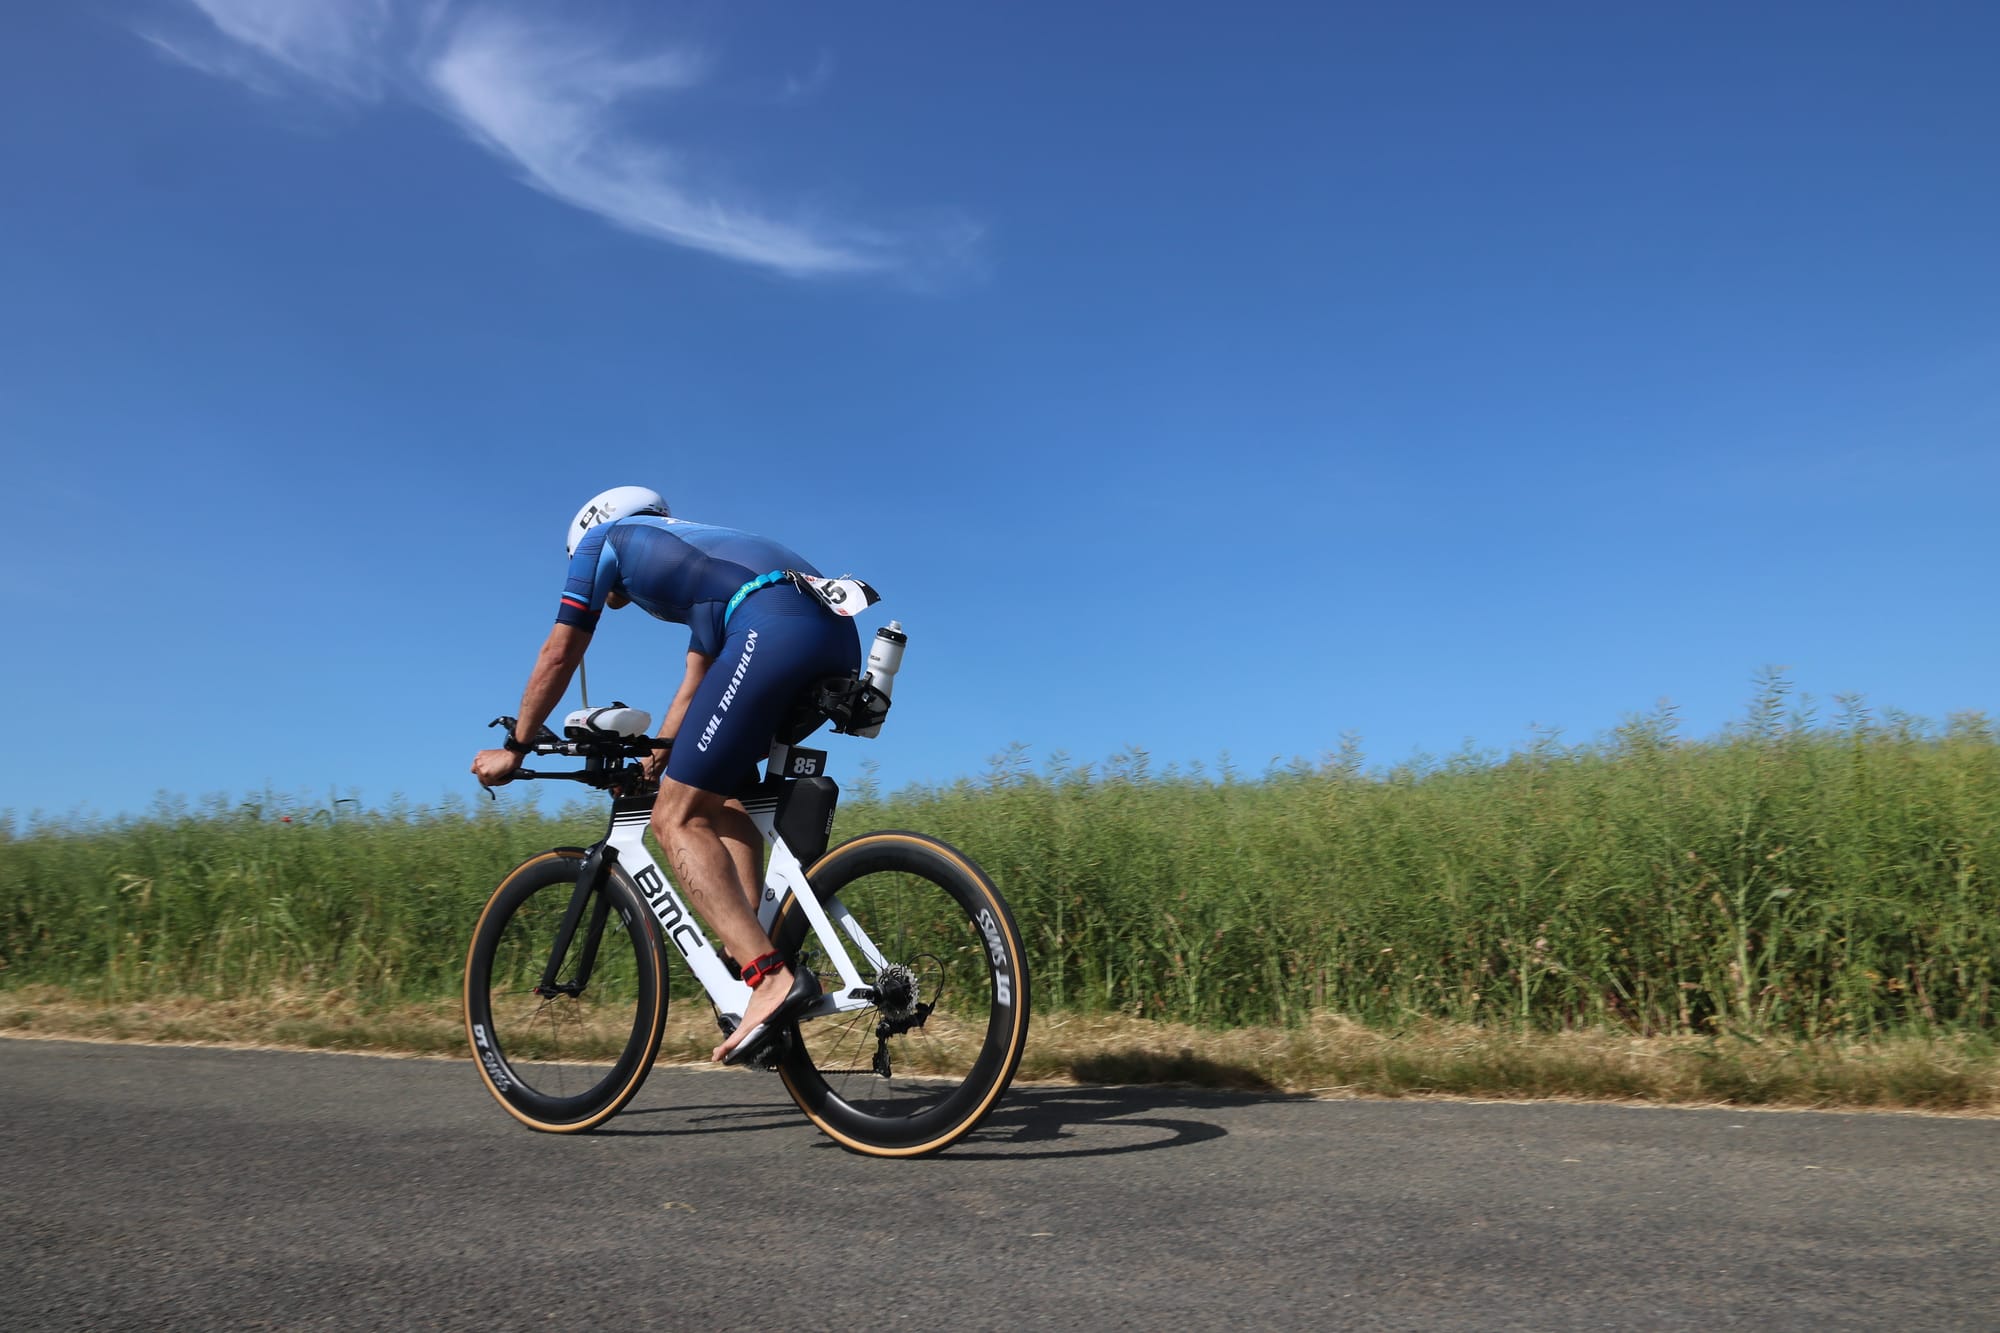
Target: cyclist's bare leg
{"x":746,"y":849}
{"x":688,"y":824}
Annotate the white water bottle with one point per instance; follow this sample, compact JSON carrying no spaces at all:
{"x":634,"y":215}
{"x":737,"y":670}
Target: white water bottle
{"x":885,"y":658}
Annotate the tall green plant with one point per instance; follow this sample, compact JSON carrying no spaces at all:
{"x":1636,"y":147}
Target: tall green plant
{"x":1786,"y":876}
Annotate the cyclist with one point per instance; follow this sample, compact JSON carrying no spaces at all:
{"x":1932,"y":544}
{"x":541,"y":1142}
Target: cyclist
{"x":756,"y":640}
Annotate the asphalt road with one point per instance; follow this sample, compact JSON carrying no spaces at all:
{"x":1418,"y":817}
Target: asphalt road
{"x":163,"y":1188}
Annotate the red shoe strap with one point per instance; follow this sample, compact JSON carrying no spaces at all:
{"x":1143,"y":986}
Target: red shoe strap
{"x":760,"y":968}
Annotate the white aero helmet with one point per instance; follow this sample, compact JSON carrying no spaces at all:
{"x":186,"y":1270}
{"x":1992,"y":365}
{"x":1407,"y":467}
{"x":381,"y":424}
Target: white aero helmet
{"x":612,"y":505}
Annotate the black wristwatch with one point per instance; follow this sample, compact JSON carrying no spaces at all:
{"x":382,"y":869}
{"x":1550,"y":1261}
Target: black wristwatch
{"x":513,"y":746}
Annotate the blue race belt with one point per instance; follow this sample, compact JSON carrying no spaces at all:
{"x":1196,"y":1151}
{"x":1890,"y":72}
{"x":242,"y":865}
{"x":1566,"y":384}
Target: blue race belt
{"x":760,"y":582}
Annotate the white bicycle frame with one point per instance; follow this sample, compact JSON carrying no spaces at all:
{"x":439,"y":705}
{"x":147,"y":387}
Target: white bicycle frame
{"x":783,"y":875}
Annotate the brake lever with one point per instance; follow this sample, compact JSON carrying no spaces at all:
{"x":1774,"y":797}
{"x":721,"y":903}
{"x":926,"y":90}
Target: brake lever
{"x":519,"y":775}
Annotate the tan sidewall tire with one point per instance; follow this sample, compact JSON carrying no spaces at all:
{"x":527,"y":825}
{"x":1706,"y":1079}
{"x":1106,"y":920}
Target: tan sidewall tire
{"x":654,"y":1020}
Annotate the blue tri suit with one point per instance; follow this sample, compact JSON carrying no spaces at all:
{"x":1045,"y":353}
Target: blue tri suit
{"x":776,"y":643}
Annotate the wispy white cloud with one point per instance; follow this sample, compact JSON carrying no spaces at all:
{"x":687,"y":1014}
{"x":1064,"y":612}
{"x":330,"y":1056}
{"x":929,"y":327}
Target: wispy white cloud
{"x":337,"y":43}
{"x":547,"y":101}
{"x":553,"y":101}
{"x":214,"y":57}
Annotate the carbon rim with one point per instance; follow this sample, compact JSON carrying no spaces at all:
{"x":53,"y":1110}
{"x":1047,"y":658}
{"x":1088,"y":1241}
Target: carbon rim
{"x":568,"y":1059}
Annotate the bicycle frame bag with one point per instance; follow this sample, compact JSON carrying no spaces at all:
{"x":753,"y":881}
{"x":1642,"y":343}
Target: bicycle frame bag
{"x":805,"y":816}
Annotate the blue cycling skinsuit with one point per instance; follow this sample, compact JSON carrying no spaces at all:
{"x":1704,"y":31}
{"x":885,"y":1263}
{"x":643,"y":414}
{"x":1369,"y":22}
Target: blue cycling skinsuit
{"x":768,"y":643}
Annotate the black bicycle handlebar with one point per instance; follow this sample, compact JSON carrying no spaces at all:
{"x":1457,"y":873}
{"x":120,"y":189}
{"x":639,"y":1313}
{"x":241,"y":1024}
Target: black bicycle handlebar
{"x":604,"y":757}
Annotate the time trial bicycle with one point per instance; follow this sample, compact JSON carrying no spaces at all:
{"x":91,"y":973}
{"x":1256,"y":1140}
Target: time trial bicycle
{"x":923,"y":1013}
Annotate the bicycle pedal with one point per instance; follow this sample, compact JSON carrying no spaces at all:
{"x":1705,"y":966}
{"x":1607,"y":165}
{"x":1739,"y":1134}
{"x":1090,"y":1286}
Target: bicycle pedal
{"x":772,"y":1055}
{"x":767,"y":1059}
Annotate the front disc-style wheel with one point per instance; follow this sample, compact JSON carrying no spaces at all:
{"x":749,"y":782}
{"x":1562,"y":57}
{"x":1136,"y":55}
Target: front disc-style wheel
{"x":564,"y":1050}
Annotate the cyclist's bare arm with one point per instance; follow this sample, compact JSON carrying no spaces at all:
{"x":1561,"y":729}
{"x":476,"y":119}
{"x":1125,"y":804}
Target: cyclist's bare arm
{"x":554,"y":665}
{"x":670,"y":726}
{"x":557,"y":662}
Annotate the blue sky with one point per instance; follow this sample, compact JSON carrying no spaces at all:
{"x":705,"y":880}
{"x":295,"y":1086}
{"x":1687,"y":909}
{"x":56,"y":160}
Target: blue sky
{"x":1204,"y":379}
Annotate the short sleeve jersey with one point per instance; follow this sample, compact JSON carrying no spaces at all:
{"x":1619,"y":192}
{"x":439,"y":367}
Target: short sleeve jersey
{"x":672,"y":569}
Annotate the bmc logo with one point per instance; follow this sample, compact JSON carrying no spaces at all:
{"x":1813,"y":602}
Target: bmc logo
{"x":673,"y":917}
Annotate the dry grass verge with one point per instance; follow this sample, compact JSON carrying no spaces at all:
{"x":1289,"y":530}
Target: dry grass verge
{"x":1327,"y":1056}
{"x":1333,"y":1057}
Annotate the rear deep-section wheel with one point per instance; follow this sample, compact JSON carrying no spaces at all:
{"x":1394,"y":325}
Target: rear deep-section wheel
{"x":921,"y":1063}
{"x":564,"y":1049}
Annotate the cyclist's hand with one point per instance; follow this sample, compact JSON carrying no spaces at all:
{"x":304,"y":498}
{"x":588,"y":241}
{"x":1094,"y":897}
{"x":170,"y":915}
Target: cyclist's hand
{"x":654,"y":764}
{"x":495,"y":768}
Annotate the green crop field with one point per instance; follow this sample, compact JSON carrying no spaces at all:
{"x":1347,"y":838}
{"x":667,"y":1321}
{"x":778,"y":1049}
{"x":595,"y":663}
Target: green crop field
{"x":1787,"y":877}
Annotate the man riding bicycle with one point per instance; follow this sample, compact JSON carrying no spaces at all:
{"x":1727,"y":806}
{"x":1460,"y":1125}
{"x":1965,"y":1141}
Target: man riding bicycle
{"x":757,"y":639}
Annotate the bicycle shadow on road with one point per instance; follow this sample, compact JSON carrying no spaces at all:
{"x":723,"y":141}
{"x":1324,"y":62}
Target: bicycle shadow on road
{"x":1032,"y":1121}
{"x":1045,"y":1121}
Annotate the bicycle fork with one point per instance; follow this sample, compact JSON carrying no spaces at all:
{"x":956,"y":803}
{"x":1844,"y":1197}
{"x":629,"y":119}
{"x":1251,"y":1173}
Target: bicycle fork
{"x":594,"y":869}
